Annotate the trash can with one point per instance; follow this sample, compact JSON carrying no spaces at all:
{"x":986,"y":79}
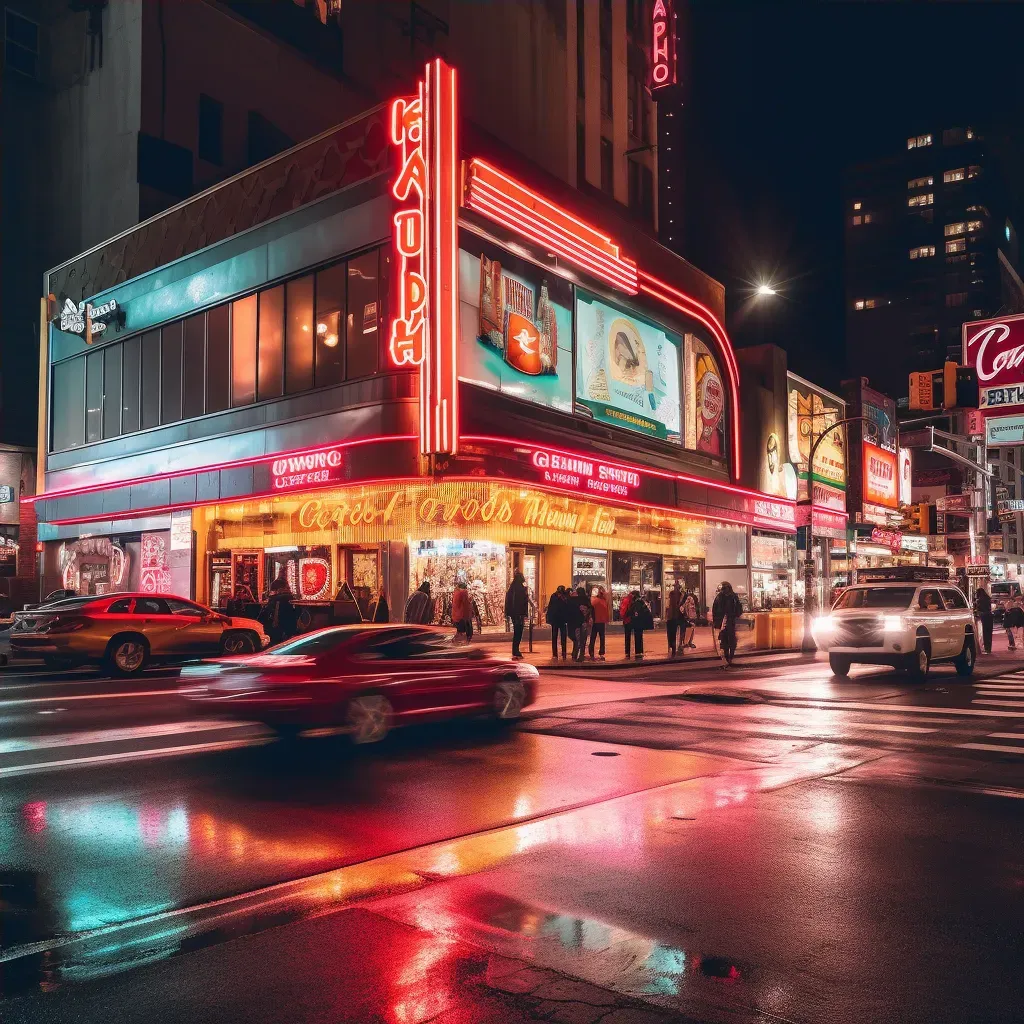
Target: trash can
{"x":762,"y":629}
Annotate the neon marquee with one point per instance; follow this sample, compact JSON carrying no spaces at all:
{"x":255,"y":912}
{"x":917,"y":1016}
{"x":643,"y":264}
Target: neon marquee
{"x":663,"y":45}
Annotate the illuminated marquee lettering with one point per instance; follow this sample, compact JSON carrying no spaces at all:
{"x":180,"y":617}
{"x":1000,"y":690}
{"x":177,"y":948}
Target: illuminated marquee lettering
{"x":663,"y":45}
{"x":585,"y":474}
{"x":409,"y":328}
{"x":317,"y":467}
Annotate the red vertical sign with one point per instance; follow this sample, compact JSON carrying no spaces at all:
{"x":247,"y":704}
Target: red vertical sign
{"x":663,"y":45}
{"x":424,"y":330}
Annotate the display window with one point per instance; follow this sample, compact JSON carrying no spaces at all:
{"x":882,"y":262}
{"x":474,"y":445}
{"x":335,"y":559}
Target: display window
{"x":631,"y":572}
{"x":589,"y":569}
{"x":482,"y":565}
{"x":772,"y":571}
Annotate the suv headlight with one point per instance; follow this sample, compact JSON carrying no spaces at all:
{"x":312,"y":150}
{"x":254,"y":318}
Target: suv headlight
{"x":892,"y":623}
{"x":823,"y":624}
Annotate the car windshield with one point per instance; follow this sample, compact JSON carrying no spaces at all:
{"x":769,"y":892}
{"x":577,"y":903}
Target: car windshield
{"x":67,"y":602}
{"x":876,"y":597}
{"x":317,"y":643}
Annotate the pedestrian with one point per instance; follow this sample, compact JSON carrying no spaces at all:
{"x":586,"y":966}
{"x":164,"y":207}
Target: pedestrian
{"x":462,"y":610}
{"x":1009,"y":621}
{"x":238,"y":602}
{"x":983,"y":612}
{"x":599,"y":604}
{"x":476,"y":613}
{"x":573,"y":621}
{"x":381,"y":610}
{"x":279,"y":617}
{"x":627,"y":620}
{"x":1018,"y":616}
{"x":642,"y":619}
{"x":689,"y":621}
{"x":420,"y":606}
{"x":555,"y":618}
{"x":674,"y":617}
{"x":517,"y":605}
{"x":586,"y":618}
{"x":724,"y":614}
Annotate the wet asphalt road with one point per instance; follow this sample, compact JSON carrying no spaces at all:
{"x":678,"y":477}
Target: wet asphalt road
{"x":822,"y":850}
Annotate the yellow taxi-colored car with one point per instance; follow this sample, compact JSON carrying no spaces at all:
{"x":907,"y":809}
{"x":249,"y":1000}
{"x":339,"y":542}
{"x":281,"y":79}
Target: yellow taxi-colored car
{"x":124,"y":632}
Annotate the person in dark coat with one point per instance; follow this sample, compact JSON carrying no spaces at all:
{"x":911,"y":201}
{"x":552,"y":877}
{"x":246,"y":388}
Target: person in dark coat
{"x":555,"y":618}
{"x":280,"y":618}
{"x":641,"y":619}
{"x":573,"y":621}
{"x":381,"y":611}
{"x":725,"y":612}
{"x":420,"y":606}
{"x":517,"y":607}
{"x":983,"y":612}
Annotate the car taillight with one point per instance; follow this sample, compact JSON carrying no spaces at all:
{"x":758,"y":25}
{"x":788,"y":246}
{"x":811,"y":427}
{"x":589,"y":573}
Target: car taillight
{"x":66,"y":625}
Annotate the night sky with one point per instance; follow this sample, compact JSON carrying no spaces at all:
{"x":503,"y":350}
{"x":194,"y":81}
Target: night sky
{"x":781,"y":98}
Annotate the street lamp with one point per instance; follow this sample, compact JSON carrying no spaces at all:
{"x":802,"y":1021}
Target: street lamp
{"x":765,"y":291}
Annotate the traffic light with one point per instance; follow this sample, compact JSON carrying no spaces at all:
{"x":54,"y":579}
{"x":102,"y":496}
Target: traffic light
{"x":920,"y":518}
{"x":949,"y":384}
{"x":959,"y":386}
{"x":921,"y":391}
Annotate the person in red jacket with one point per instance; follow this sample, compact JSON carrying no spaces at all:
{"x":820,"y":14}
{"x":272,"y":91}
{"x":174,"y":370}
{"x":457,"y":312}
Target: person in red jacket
{"x":462,"y":610}
{"x":599,"y":603}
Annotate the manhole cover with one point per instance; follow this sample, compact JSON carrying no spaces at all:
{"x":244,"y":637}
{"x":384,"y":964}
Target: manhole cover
{"x":722,"y":696}
{"x":604,"y":753}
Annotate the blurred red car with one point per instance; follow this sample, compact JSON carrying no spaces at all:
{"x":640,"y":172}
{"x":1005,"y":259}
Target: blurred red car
{"x":365,"y":679}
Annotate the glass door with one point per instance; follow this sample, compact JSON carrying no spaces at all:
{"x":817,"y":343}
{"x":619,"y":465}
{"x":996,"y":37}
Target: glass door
{"x":527,"y":561}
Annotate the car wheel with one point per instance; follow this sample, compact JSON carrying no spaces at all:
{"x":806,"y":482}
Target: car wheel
{"x":840,"y":664}
{"x":920,"y":661}
{"x":237,"y":643}
{"x":368,"y":718}
{"x":509,"y":698}
{"x":127,"y":655}
{"x":964,"y":661}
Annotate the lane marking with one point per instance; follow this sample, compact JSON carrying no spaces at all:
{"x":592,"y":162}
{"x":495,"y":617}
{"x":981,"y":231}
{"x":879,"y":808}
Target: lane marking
{"x":1007,"y":736}
{"x":894,"y":728}
{"x":87,"y":696}
{"x":134,"y":755}
{"x":85,"y":737}
{"x":1001,"y":703}
{"x":899,"y":709}
{"x":991,"y":746}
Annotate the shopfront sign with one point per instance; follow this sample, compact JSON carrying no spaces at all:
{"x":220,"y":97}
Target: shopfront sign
{"x":892,"y":539}
{"x":72,"y":318}
{"x":6,"y":494}
{"x":1010,"y":505}
{"x":912,"y":543}
{"x":663,"y":45}
{"x":1004,"y":430}
{"x":963,"y":503}
{"x":906,"y":476}
{"x":311,"y":469}
{"x":585,"y":474}
{"x":995,"y":542}
{"x":812,"y":415}
{"x":424,"y":331}
{"x":995,"y":348}
{"x":880,"y":476}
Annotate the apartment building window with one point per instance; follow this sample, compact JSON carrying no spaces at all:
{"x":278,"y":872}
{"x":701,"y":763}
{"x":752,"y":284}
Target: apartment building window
{"x":856,"y":219}
{"x":925,"y":199}
{"x":974,"y":225}
{"x":956,"y":245}
{"x":918,"y":141}
{"x":866,"y":303}
{"x":21,"y":44}
{"x":974,"y":171}
{"x":211,"y":127}
{"x":921,"y":182}
{"x":607,"y":166}
{"x":957,"y":174}
{"x":857,"y":205}
{"x":251,"y":349}
{"x":956,"y":299}
{"x":956,"y":228}
{"x":922,"y":251}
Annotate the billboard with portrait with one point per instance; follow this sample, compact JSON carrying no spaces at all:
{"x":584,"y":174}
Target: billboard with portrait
{"x":515,"y":325}
{"x":704,"y":398}
{"x":811,"y":412}
{"x":627,"y":369}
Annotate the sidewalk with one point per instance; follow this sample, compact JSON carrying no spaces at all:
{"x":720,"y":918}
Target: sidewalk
{"x":655,"y":649}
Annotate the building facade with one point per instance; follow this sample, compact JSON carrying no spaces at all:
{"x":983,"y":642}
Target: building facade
{"x":398,"y":352}
{"x":930,"y":244}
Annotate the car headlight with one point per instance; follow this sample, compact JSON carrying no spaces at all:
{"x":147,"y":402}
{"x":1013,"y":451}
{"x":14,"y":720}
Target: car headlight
{"x":525,"y":671}
{"x":892,"y":623}
{"x":823,"y":624}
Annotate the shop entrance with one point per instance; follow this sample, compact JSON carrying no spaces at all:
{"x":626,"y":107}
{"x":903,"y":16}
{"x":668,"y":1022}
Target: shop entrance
{"x":635,"y":571}
{"x":482,"y":564}
{"x":527,"y":561}
{"x":690,"y":574}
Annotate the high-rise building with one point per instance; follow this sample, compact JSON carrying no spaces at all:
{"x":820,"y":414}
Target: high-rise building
{"x":115,"y":112}
{"x":930,"y":244}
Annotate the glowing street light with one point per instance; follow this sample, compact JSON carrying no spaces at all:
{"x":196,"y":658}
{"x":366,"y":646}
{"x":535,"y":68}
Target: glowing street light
{"x":765,"y":291}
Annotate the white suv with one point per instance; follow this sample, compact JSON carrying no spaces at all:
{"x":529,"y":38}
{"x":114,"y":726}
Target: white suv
{"x":906,"y":625}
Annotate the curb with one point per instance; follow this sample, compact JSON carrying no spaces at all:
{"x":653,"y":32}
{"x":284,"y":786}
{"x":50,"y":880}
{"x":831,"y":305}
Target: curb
{"x":697,"y":659}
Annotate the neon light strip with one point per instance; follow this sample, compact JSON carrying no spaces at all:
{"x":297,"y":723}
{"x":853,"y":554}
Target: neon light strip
{"x":499,"y":208}
{"x":692,"y":308}
{"x":506,"y":442}
{"x":511,"y":203}
{"x":428,"y":341}
{"x":234,"y":464}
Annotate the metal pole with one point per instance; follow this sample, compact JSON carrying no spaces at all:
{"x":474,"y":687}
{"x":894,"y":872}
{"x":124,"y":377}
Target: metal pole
{"x":808,"y":646}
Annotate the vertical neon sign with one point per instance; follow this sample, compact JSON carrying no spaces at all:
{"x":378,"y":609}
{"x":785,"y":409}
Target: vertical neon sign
{"x":663,"y":45}
{"x":425,"y":326}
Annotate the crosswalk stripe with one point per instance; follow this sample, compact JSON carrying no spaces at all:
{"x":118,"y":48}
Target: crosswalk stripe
{"x":1000,"y":703}
{"x":991,"y":746}
{"x":87,"y":696}
{"x":138,"y":732}
{"x":901,"y":709}
{"x":1007,"y":736}
{"x":986,"y":692}
{"x":892,"y":728}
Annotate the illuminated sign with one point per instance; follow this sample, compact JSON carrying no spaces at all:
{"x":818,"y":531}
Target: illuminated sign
{"x":573,"y":471}
{"x":893,"y":539}
{"x":995,"y":348}
{"x":663,"y":45}
{"x":313,"y":468}
{"x":905,"y":476}
{"x":1000,"y":430}
{"x":424,"y":332}
{"x":72,"y":318}
{"x":880,"y":476}
{"x":6,"y":493}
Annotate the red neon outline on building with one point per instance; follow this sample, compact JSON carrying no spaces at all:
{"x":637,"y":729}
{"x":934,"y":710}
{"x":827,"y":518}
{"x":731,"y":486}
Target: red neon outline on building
{"x":663,"y":45}
{"x":519,"y":208}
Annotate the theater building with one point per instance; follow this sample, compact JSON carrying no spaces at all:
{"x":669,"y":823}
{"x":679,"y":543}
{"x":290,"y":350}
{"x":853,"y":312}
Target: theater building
{"x":395,"y":353}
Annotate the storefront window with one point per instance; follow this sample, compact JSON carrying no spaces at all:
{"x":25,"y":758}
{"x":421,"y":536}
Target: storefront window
{"x":68,"y":404}
{"x":589,"y":568}
{"x":298,"y":342}
{"x":170,"y":373}
{"x":130,"y":385}
{"x":330,"y":310}
{"x":217,"y":359}
{"x":632,"y":572}
{"x":194,"y":366}
{"x":150,"y":379}
{"x":363,"y":314}
{"x":772,"y":570}
{"x":306,"y":570}
{"x":483,"y":566}
{"x":243,"y":351}
{"x":112,"y":391}
{"x":94,"y":396}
